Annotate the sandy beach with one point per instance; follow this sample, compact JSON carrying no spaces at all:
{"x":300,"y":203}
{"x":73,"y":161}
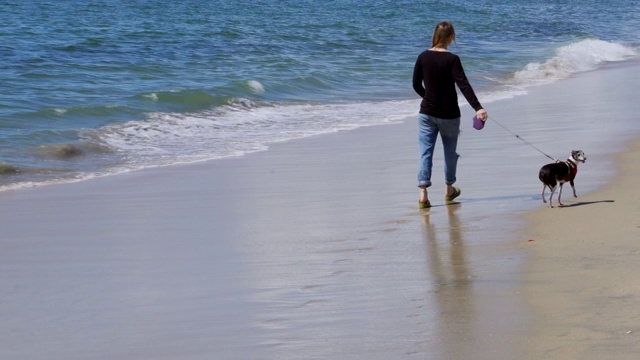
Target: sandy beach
{"x":581,"y":271}
{"x":315,"y":249}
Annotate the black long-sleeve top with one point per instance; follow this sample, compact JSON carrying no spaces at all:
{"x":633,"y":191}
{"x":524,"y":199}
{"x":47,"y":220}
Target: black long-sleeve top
{"x":434,"y":78}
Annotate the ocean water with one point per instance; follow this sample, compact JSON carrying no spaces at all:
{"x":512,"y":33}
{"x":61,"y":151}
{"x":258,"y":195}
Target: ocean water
{"x":93,"y":88}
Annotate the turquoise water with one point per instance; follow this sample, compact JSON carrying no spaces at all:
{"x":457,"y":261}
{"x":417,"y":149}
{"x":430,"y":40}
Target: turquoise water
{"x":104,"y":87}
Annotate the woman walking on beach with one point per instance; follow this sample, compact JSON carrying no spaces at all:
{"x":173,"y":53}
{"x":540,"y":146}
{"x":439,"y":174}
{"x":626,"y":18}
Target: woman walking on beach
{"x":435,"y":75}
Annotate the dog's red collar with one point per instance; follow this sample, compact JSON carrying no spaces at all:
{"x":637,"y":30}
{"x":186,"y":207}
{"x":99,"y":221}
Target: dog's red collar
{"x":573,"y":170}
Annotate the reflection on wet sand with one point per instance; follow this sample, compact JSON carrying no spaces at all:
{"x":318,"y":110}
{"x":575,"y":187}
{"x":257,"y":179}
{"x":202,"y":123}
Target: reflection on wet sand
{"x":452,"y":291}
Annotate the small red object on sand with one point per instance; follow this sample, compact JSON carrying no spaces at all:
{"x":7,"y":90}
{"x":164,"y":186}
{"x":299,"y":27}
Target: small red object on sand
{"x":530,"y":240}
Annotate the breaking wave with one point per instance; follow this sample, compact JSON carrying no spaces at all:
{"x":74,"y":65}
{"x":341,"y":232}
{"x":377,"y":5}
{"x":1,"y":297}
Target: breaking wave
{"x":584,"y":55}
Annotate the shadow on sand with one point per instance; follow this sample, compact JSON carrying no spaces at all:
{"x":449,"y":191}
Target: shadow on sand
{"x":587,"y":203}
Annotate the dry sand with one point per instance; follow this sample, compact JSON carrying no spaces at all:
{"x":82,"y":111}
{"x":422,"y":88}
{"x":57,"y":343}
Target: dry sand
{"x":581,"y":276}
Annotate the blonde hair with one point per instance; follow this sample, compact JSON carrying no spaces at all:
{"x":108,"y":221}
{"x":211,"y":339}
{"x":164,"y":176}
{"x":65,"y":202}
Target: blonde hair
{"x":443,"y":35}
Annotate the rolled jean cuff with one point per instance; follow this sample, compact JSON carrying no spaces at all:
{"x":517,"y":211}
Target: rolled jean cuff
{"x":424,"y":184}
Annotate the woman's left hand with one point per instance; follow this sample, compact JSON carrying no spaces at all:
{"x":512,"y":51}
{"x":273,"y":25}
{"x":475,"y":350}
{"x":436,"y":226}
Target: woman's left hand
{"x":482,"y":114}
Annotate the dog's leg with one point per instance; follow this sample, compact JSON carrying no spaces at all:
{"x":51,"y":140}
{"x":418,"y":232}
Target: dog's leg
{"x":559,"y":195}
{"x":553,"y":189}
{"x":544,"y":187}
{"x":574,"y":188}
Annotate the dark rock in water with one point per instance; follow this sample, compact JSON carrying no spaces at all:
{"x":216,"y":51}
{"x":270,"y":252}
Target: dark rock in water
{"x":66,"y":151}
{"x":6,"y":169}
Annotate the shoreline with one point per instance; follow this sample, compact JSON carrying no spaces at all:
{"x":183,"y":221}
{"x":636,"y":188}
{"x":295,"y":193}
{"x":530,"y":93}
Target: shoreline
{"x":495,"y":95}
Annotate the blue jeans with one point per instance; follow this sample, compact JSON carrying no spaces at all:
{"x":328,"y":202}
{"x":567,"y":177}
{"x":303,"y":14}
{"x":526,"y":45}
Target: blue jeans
{"x":449,"y":130}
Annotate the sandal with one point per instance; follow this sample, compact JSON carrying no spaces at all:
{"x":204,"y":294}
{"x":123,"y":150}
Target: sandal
{"x":456,"y":193}
{"x":424,"y":205}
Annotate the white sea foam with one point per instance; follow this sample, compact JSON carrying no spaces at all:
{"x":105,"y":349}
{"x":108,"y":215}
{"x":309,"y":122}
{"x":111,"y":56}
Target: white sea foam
{"x":239,"y":128}
{"x":152,"y":96}
{"x":256,"y":87}
{"x":584,"y":55}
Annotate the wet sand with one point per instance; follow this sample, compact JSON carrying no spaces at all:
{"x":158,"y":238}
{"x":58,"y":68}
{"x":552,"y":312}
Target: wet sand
{"x":285,"y":254}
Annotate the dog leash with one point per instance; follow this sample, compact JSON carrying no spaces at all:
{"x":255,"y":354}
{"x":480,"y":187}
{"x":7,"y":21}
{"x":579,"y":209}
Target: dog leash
{"x":523,"y":140}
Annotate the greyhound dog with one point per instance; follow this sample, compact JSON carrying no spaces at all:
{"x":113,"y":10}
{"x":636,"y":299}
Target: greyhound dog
{"x":560,"y":172}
